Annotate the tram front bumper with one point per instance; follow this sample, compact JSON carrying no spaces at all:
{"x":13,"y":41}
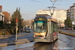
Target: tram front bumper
{"x":40,"y":39}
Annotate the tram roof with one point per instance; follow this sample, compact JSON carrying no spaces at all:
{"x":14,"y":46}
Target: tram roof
{"x":47,"y":16}
{"x":43,"y":15}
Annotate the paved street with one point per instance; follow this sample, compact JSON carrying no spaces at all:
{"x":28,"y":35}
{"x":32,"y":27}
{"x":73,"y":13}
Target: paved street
{"x":64,"y":42}
{"x":29,"y":37}
{"x":9,"y":36}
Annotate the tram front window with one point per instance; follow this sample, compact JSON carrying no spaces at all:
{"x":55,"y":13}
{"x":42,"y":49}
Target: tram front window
{"x":40,"y":26}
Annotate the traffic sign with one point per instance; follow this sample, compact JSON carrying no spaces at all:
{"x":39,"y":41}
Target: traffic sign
{"x":0,"y":7}
{"x":16,"y":20}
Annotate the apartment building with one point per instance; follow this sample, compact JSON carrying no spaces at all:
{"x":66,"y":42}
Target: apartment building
{"x":6,"y":16}
{"x":1,"y":14}
{"x":68,"y":13}
{"x":72,"y":15}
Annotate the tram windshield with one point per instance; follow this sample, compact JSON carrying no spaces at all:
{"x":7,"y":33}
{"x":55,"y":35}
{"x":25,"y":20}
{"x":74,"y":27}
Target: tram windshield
{"x":40,"y":26}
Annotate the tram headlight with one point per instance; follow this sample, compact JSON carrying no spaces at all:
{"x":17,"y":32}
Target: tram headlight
{"x":43,"y":34}
{"x":48,"y":19}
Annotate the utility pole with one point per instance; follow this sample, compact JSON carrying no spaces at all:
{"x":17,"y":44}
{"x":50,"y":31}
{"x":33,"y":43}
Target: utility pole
{"x":16,"y":29}
{"x":53,"y":2}
{"x":52,"y":8}
{"x":19,"y":20}
{"x":16,"y":25}
{"x":51,"y":13}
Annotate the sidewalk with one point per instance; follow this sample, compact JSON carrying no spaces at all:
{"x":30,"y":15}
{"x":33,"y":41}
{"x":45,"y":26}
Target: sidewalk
{"x":68,"y":32}
{"x":18,"y":35}
{"x":20,"y":41}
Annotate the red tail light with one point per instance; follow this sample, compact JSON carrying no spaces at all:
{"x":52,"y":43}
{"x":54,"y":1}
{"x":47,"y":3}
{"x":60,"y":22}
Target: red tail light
{"x":54,"y":34}
{"x":35,"y":36}
{"x":42,"y":36}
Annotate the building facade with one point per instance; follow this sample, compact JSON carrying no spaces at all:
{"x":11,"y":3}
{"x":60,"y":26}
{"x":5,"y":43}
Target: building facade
{"x":1,"y":17}
{"x":1,"y":14}
{"x":7,"y":17}
{"x":72,"y":15}
{"x":68,"y":13}
{"x":60,"y":15}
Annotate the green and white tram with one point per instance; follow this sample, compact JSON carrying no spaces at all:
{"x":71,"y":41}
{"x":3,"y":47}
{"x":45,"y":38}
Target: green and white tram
{"x":45,"y":29}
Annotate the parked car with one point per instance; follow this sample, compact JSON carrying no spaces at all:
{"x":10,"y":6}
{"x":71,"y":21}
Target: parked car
{"x":21,"y":30}
{"x":27,"y":30}
{"x":66,"y":28}
{"x":70,"y":29}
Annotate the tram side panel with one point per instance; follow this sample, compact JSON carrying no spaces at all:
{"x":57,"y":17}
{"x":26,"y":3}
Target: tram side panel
{"x":49,"y":34}
{"x":52,"y":31}
{"x":55,"y":31}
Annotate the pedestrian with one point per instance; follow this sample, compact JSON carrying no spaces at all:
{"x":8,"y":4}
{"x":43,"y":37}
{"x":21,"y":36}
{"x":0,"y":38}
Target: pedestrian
{"x":3,"y":32}
{"x":14,"y":31}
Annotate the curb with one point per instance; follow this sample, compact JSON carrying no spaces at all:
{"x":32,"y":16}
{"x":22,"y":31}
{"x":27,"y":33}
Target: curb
{"x":17,"y":36}
{"x":66,"y":33}
{"x":4,"y":38}
{"x":24,"y":35}
{"x":20,"y":41}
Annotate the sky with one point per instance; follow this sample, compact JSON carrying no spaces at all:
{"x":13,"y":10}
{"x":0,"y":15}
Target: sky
{"x":29,"y":8}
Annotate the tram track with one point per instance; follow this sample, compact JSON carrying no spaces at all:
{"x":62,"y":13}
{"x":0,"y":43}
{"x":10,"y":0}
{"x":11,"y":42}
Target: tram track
{"x":42,"y":44}
{"x":71,"y":41}
{"x":64,"y":42}
{"x":60,"y":43}
{"x":69,"y":38}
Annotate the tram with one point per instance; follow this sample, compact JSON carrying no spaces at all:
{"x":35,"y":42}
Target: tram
{"x":45,"y":29}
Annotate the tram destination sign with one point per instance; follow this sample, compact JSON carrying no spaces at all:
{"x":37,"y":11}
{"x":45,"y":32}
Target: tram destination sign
{"x":40,"y":19}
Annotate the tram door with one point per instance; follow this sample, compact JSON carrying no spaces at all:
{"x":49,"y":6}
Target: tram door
{"x":55,"y":31}
{"x":50,"y":31}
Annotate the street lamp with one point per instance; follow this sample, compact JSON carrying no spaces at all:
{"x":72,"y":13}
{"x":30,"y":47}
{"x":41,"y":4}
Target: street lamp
{"x":53,"y":1}
{"x":51,"y":13}
{"x":73,"y":23}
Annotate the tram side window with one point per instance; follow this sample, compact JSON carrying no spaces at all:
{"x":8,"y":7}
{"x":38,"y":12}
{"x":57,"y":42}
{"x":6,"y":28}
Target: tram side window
{"x":57,"y":26}
{"x":54,"y":27}
{"x":51,"y":28}
{"x":34,"y":25}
